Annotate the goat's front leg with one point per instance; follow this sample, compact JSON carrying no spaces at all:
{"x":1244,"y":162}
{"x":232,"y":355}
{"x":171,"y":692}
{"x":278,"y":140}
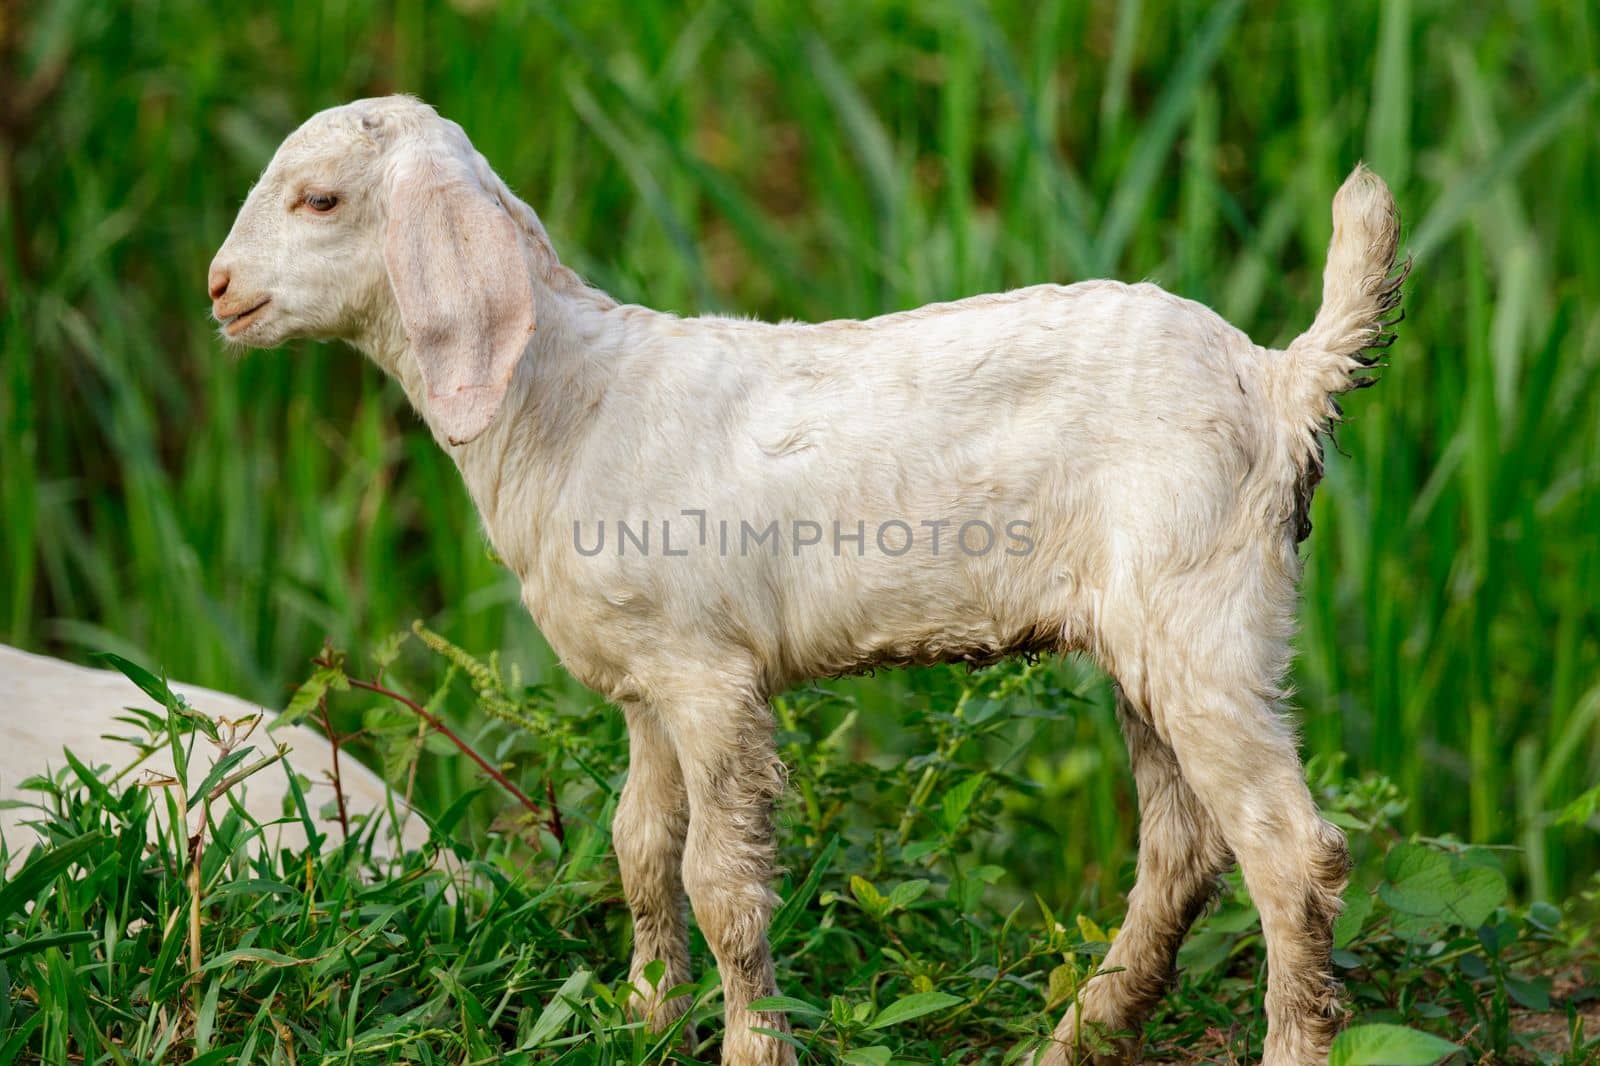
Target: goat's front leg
{"x":1181,"y":854}
{"x":733,"y":778}
{"x":651,"y":823}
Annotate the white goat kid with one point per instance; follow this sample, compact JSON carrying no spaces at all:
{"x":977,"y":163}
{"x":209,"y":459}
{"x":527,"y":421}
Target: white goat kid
{"x":1150,"y":466}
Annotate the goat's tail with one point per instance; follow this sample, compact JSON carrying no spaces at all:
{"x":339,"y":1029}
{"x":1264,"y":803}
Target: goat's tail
{"x":1360,"y":301}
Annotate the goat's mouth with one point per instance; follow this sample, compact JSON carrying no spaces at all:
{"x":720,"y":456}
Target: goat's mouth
{"x":235,"y":324}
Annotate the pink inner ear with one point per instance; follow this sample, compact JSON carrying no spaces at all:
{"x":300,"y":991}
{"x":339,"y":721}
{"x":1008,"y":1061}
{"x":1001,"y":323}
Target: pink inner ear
{"x":466,"y":302}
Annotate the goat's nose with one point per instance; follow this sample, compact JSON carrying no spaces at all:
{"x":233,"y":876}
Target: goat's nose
{"x":217,"y":282}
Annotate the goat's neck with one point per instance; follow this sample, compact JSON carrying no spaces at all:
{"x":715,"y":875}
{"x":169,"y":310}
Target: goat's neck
{"x":518,"y":464}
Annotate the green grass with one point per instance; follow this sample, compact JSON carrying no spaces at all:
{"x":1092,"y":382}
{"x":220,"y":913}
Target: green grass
{"x":220,"y":518}
{"x":902,"y":933}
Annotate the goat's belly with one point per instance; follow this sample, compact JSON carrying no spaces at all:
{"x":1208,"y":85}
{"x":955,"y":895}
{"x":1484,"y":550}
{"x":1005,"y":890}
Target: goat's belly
{"x":975,"y":615}
{"x":973,"y":644}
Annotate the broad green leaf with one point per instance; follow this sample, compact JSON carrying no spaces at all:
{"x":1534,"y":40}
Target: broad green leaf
{"x":953,"y":807}
{"x":1419,"y":886}
{"x":913,"y":1006}
{"x":1427,"y":883}
{"x":1090,"y":931}
{"x":787,"y":1005}
{"x":1205,"y":950}
{"x":1357,"y":905}
{"x":866,"y":1056}
{"x":1235,"y":918}
{"x":988,"y":873}
{"x":866,"y":895}
{"x":906,"y":893}
{"x":1533,"y":993}
{"x":1544,"y":915}
{"x":1387,"y":1045}
{"x":1062,"y":987}
{"x":1417,"y":928}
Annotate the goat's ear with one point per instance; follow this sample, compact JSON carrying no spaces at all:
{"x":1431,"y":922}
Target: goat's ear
{"x":462,"y":286}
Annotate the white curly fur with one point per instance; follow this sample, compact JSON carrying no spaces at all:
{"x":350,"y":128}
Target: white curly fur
{"x":1158,"y":462}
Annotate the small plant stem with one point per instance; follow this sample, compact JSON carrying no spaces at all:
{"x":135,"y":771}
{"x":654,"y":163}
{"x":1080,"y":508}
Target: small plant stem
{"x":338,"y":782}
{"x":919,"y":797}
{"x":930,"y":778}
{"x":415,"y":760}
{"x":801,"y":773}
{"x":285,"y":1036}
{"x":465,"y":749}
{"x":196,"y":851}
{"x":196,"y":843}
{"x":557,"y":828}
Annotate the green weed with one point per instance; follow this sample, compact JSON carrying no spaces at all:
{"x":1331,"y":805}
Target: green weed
{"x":903,"y":936}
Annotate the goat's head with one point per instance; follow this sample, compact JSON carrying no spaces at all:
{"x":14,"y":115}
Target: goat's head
{"x":380,"y":212}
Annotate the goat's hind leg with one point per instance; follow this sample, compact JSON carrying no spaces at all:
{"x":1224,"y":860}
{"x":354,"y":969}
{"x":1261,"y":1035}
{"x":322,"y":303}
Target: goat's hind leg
{"x":1239,"y":757}
{"x":1181,"y":854}
{"x":651,"y":824}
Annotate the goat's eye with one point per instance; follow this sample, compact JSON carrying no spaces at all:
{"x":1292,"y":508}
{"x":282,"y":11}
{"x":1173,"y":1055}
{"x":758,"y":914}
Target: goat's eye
{"x":321,"y":202}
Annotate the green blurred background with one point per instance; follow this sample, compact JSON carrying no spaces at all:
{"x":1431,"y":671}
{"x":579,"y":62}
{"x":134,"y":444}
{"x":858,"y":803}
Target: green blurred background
{"x":218,"y":518}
